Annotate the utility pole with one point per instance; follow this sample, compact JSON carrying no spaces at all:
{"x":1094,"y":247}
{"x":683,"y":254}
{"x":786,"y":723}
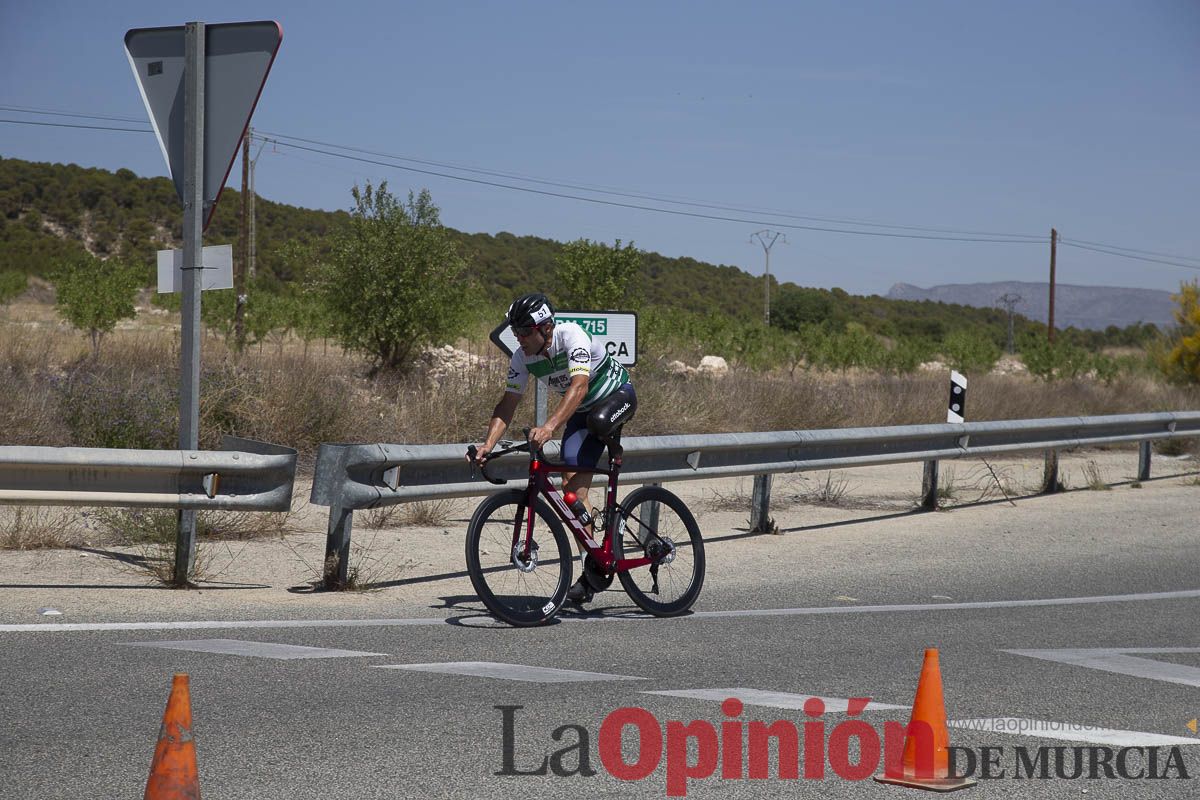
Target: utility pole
{"x":1009,"y":301}
{"x":252,"y":262}
{"x":1053,"y":251}
{"x":767,"y":239}
{"x":239,"y":278}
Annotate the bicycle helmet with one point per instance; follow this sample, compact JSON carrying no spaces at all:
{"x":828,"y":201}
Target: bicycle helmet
{"x":529,"y":310}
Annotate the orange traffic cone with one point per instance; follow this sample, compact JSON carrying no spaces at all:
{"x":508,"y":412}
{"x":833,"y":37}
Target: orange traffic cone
{"x":173,"y":774}
{"x":926,"y":763}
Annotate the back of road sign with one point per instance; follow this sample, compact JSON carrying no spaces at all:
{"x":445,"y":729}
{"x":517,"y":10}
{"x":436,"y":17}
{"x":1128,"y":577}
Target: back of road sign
{"x":238,"y":56}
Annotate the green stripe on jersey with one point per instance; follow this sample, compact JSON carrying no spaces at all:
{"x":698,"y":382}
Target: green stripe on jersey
{"x":546,"y":366}
{"x":608,"y":377}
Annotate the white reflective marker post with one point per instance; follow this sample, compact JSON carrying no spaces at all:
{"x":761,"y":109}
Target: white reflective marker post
{"x":956,"y":412}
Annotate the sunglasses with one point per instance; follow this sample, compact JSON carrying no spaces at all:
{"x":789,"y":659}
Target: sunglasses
{"x":523,"y":330}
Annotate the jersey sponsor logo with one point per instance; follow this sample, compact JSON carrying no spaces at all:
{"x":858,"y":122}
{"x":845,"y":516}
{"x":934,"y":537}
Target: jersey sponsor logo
{"x":581,"y":354}
{"x":512,"y":374}
{"x":616,"y":414}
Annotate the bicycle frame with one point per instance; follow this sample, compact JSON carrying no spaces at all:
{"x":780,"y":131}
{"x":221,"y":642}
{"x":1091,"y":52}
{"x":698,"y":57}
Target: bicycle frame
{"x":539,"y":483}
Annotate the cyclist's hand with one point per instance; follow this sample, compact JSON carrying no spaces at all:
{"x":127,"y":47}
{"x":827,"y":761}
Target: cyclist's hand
{"x":539,"y":436}
{"x":481,"y":454}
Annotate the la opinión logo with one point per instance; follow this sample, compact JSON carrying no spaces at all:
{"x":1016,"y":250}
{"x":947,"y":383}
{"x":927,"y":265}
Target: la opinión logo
{"x":633,"y":744}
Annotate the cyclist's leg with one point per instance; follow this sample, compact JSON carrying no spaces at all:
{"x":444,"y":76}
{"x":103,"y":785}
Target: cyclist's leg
{"x":607,"y":417}
{"x":580,"y":449}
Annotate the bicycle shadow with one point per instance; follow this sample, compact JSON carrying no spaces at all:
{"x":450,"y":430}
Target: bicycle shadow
{"x":476,"y":615}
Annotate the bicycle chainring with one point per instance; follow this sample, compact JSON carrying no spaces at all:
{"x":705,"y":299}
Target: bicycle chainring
{"x":595,"y":576}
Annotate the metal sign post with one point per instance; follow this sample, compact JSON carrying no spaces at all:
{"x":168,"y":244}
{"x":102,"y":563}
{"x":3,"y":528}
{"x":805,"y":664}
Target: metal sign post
{"x":227,"y":64}
{"x":193,"y":241}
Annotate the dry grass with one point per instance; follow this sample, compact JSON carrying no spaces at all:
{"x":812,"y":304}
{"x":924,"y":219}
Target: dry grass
{"x":736,"y":498}
{"x":298,"y":395}
{"x":829,"y":490}
{"x":152,"y":533}
{"x":33,"y":528}
{"x":424,"y":514}
{"x":1094,"y":478}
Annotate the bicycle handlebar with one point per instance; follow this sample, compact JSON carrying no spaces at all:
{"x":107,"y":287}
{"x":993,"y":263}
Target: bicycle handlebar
{"x":472,"y":450}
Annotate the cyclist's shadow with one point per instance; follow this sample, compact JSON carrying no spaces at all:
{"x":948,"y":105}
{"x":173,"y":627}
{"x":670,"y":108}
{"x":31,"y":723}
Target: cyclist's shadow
{"x":475,"y":615}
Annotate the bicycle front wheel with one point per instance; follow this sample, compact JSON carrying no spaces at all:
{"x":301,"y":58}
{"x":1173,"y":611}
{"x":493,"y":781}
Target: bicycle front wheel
{"x":521,"y":586}
{"x":657,"y":524}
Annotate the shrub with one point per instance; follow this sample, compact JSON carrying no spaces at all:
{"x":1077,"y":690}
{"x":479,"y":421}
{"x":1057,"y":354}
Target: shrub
{"x":1181,"y":362}
{"x":593,"y":276}
{"x":94,"y":294}
{"x":12,"y":283}
{"x":393,"y":281}
{"x":970,"y":352}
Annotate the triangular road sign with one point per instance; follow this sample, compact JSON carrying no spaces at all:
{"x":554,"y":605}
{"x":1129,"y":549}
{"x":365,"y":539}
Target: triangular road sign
{"x":238,"y":56}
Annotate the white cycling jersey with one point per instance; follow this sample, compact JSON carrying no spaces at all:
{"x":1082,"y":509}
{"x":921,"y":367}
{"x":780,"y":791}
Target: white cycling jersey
{"x":572,"y":352}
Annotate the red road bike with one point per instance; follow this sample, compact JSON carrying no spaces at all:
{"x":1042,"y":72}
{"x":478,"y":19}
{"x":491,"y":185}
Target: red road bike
{"x":519,"y":558}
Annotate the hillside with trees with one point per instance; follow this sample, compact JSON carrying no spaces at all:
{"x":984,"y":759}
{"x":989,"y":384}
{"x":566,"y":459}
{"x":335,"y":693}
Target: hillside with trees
{"x":53,"y":213}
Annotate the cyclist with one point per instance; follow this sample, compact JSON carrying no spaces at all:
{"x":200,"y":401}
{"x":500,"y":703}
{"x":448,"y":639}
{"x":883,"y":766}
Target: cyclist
{"x":597,"y":395}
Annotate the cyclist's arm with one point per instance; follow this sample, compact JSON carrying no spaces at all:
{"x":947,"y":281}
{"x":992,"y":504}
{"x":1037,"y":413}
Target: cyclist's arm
{"x":502,"y":415}
{"x":576,"y":391}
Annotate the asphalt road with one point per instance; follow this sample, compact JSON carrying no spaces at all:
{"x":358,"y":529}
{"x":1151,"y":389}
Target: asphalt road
{"x":1095,"y":581}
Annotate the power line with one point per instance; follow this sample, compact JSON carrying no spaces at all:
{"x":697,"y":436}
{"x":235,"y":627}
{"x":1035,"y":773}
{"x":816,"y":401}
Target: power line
{"x":643,"y":196}
{"x":639,"y":207}
{"x":69,"y":125}
{"x":1128,"y":255}
{"x":1131,"y":250}
{"x":49,"y":112}
{"x":565,"y":185}
{"x":954,"y":235}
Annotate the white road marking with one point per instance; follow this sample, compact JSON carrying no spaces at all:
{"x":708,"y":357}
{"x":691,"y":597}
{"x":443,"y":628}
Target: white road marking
{"x":759,"y":697}
{"x":238,"y":647}
{"x":1070,"y":732}
{"x":189,"y":625}
{"x":939,"y":607}
{"x":1118,"y":660}
{"x":1012,"y":726}
{"x":511,"y":672}
{"x":52,"y":627}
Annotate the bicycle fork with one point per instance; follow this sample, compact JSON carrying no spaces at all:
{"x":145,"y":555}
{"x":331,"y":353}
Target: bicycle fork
{"x":524,"y":549}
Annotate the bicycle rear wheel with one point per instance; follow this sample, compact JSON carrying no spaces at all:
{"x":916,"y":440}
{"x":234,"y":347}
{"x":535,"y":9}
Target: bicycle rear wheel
{"x":659,"y":525}
{"x":520,"y":588}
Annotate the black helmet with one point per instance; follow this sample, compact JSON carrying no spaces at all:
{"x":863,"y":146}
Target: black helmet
{"x":529,"y":310}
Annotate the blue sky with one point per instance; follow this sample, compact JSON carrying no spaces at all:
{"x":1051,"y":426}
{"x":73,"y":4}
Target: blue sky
{"x":1000,"y":117}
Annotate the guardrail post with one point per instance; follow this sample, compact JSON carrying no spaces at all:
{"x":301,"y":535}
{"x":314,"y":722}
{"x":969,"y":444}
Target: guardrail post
{"x":760,"y":506}
{"x":336,"y":569}
{"x":652,"y":522}
{"x":1050,"y":483}
{"x":929,"y":486}
{"x":1144,"y":461}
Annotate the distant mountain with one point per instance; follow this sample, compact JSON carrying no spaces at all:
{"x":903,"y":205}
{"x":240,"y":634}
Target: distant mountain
{"x":1090,"y":307}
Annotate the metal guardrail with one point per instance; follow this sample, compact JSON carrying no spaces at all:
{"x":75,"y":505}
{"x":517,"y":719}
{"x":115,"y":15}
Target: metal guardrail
{"x":245,"y":475}
{"x":350,"y":477}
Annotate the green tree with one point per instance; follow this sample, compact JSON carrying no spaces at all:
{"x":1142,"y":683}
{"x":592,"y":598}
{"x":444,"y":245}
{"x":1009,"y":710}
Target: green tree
{"x":1181,"y":362}
{"x":797,"y":307}
{"x":970,"y":352}
{"x":1059,"y":360}
{"x":12,"y":283}
{"x":393,"y":280}
{"x":593,"y":276}
{"x":94,"y":294}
